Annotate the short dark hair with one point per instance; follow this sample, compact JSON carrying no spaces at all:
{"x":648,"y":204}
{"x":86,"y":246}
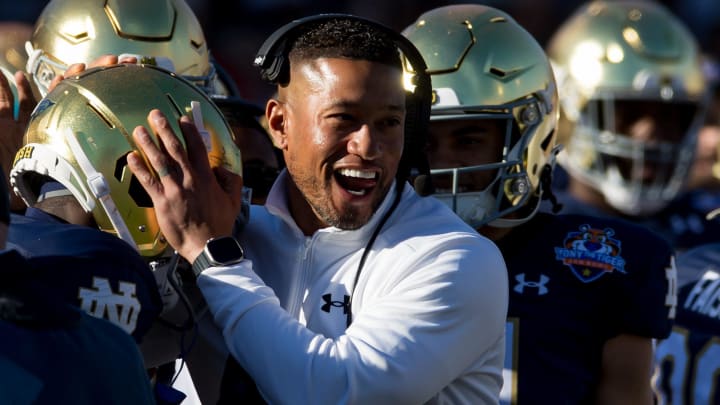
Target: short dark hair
{"x":345,"y":38}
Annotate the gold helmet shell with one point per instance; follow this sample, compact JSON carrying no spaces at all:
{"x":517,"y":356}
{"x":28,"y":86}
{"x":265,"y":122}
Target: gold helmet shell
{"x":162,"y":32}
{"x":484,"y":65}
{"x":627,"y":52}
{"x":81,"y":133}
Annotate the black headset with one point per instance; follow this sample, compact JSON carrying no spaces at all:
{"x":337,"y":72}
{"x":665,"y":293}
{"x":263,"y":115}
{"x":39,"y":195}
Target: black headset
{"x":272,"y":59}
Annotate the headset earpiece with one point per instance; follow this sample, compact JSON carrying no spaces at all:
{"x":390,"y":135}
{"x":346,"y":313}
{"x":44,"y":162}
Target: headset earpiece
{"x":272,"y":59}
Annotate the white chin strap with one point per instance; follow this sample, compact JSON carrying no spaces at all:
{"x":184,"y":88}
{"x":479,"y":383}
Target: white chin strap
{"x":197,"y":118}
{"x":98,"y":186}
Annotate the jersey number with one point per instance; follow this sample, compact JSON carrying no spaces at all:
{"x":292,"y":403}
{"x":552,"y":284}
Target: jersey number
{"x":697,"y":376}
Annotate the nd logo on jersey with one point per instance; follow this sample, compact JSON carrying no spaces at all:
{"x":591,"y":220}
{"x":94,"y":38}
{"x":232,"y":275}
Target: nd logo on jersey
{"x":101,"y":302}
{"x":590,"y":253}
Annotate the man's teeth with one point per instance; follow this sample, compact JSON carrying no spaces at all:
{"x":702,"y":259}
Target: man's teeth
{"x":358,"y":192}
{"x":362,"y":174}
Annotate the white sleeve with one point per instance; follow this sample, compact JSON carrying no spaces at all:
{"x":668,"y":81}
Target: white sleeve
{"x":404,"y":346}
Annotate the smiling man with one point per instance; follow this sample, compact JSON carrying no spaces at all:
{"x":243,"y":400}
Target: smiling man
{"x":353,"y":288}
{"x":345,"y":151}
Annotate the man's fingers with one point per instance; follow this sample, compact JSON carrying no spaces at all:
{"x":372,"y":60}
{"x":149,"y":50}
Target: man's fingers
{"x":128,"y":59}
{"x":55,"y":81}
{"x":104,"y":60}
{"x":74,"y":69}
{"x":170,"y":142}
{"x":156,"y":158}
{"x":144,"y":170}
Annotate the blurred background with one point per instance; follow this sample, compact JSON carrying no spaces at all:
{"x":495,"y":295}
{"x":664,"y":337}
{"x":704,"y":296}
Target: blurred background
{"x":235,"y":29}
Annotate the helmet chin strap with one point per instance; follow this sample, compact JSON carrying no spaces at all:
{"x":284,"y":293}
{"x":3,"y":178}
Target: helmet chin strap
{"x":98,"y":186}
{"x":36,"y":58}
{"x":198,"y":121}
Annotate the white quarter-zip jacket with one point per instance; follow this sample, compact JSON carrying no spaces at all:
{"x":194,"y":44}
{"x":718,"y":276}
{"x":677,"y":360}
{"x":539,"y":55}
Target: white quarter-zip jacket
{"x":428,"y":310}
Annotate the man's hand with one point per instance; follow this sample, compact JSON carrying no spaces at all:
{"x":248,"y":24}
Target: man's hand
{"x":193,"y":202}
{"x":13,"y":129}
{"x":77,"y":68}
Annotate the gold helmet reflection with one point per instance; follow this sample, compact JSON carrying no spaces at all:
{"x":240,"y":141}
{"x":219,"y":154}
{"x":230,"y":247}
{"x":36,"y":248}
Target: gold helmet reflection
{"x":484,"y":65}
{"x":81,"y":133}
{"x":162,"y":32}
{"x":610,"y":52}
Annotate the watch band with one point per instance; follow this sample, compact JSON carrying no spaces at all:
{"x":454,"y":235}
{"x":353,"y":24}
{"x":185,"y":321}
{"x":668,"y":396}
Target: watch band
{"x":201,"y":263}
{"x":223,"y":251}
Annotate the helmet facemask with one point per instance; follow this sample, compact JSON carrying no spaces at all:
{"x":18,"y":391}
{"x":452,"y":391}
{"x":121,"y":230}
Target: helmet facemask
{"x":508,"y":186}
{"x":486,"y":68}
{"x":616,"y":150}
{"x":633,"y":98}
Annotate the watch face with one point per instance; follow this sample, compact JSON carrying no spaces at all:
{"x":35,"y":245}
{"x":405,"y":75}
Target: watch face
{"x":225,"y":250}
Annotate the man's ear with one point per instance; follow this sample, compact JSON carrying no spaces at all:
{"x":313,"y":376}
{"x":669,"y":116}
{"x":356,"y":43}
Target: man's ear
{"x":276,"y":115}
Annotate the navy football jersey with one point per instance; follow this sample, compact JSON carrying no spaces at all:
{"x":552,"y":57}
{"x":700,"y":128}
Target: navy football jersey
{"x":682,"y":223}
{"x":51,"y":352}
{"x":93,"y":270}
{"x":688,"y":362}
{"x":576,"y":282}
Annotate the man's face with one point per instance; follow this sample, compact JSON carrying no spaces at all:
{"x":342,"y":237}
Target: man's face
{"x":343,"y":129}
{"x":463,"y":143}
{"x":652,"y":124}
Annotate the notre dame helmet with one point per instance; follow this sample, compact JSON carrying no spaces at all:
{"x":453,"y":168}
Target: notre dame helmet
{"x":484,"y":65}
{"x":162,"y":32}
{"x":81,"y":133}
{"x":608,"y":56}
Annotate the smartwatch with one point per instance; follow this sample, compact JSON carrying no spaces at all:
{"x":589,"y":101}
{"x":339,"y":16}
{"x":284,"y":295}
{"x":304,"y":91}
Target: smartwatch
{"x":222,"y":251}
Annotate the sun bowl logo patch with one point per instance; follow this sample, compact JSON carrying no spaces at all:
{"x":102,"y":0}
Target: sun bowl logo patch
{"x":590,"y":253}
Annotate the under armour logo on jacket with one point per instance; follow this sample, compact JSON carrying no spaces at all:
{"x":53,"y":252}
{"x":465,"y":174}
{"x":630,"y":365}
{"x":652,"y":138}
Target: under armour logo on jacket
{"x":344,"y":304}
{"x":122,"y":309}
{"x":540,"y":285}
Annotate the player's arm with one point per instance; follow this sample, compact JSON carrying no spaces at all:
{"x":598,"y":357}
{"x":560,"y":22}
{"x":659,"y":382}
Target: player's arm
{"x":626,"y":371}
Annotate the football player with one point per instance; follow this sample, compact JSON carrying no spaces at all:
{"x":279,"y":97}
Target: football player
{"x":585,"y":297}
{"x":633,"y":98}
{"x":72,"y":168}
{"x":687,"y":367}
{"x":50,"y":349}
{"x":165,"y":33}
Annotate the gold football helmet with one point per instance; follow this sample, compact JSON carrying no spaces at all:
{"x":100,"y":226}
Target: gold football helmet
{"x":80,"y":134}
{"x":485,"y":66}
{"x":611,"y":59}
{"x":162,"y":32}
